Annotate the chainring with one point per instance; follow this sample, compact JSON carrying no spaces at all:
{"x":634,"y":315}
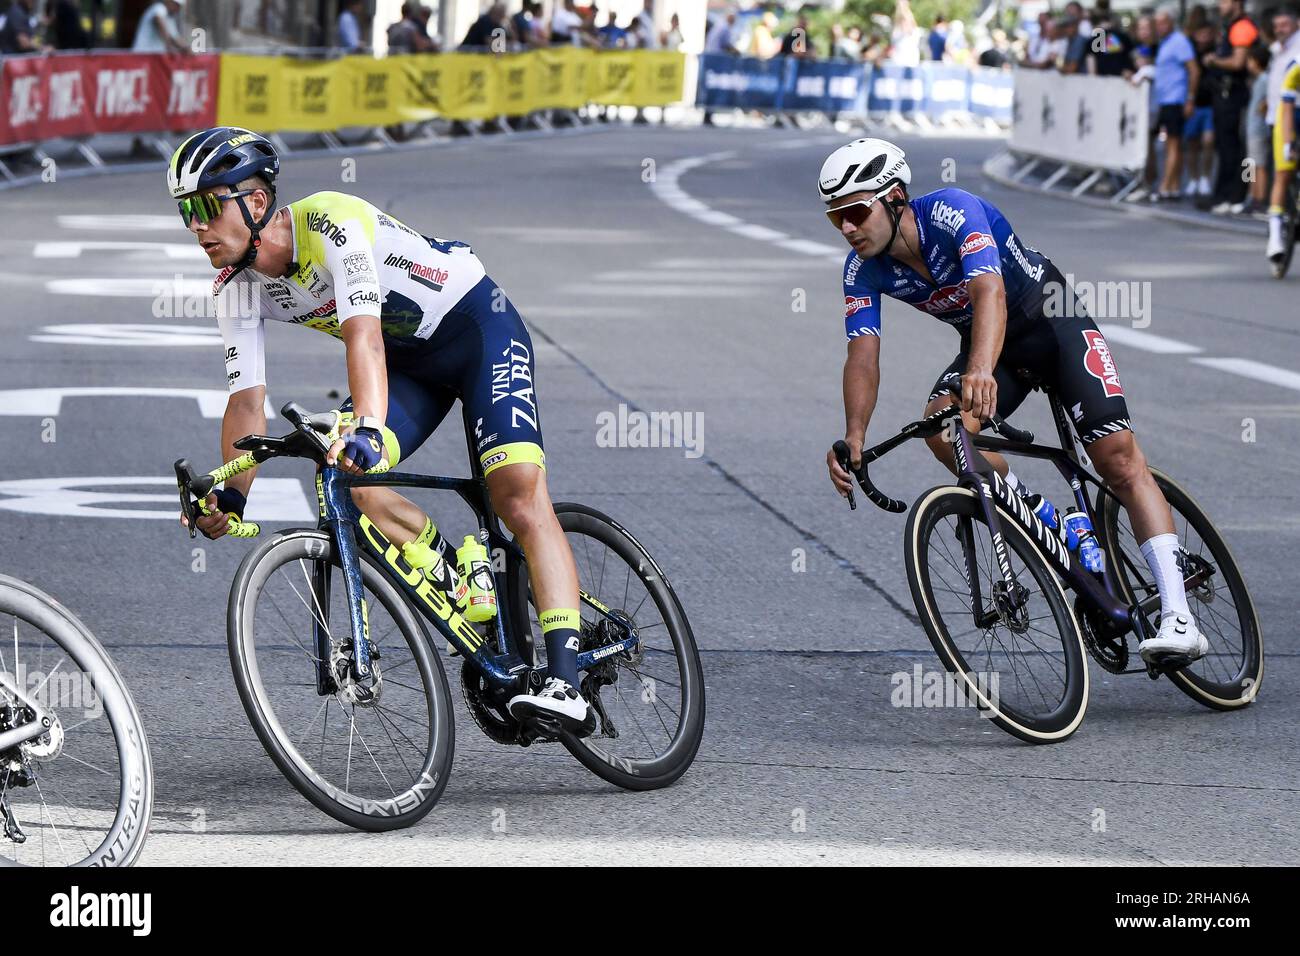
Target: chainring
{"x":499,"y":726}
{"x":1110,"y":650}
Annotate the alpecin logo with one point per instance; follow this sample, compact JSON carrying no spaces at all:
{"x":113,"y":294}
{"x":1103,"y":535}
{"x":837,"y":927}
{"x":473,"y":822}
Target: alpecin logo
{"x":1100,"y":364}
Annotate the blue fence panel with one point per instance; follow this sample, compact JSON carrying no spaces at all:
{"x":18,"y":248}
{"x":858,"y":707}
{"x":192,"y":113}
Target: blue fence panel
{"x":947,"y":89}
{"x":992,"y":92}
{"x":828,"y":86}
{"x":739,"y":81}
{"x":896,"y":89}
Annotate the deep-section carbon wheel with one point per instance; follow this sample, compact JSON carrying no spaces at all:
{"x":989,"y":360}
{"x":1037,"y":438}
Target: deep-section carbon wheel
{"x":650,"y":702}
{"x":374,"y":764}
{"x":1229,"y":676}
{"x":81,"y":792}
{"x":1019,"y":655}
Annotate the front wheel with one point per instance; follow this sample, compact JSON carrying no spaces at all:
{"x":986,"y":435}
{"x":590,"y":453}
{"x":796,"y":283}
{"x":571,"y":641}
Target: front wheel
{"x":649,"y":700}
{"x":375,"y":762}
{"x":1015,"y":650}
{"x":1228,"y":677}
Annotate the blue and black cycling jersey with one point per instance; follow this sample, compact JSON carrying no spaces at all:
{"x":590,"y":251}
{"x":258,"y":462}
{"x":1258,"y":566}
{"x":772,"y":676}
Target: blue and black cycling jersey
{"x":962,"y":237}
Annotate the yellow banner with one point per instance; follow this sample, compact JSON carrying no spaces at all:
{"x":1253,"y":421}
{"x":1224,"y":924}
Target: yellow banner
{"x":284,"y":93}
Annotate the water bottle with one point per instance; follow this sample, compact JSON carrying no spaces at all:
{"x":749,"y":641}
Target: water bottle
{"x":477,"y":592}
{"x":1090,"y":554}
{"x":1046,"y":512}
{"x":434,"y":559}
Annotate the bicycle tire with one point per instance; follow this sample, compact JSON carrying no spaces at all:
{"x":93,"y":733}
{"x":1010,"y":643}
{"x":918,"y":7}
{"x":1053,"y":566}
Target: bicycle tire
{"x":372,"y":815}
{"x":1052,"y":727}
{"x":125,"y":838}
{"x":1243,"y":686}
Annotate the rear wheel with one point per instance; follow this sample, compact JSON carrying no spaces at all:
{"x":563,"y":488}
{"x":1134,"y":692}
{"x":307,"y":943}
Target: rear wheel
{"x":1019,"y":657}
{"x":650,"y":700}
{"x":1228,"y":677}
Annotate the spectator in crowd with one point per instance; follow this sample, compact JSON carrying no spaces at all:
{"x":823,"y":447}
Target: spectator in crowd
{"x":938,"y":38}
{"x":1259,"y":138}
{"x":161,"y":29}
{"x":799,"y":42}
{"x":635,"y":38}
{"x":430,"y":41}
{"x":408,"y":35}
{"x":763,"y":41}
{"x":613,"y":36}
{"x":1144,"y":58}
{"x":905,"y":38}
{"x":1176,"y":76}
{"x":998,"y":53}
{"x":849,"y":44}
{"x":673,"y":38}
{"x":521,"y":24}
{"x":21,"y":29}
{"x":1231,"y":95}
{"x":66,"y":31}
{"x":1074,"y":11}
{"x":648,"y":34}
{"x":722,"y":37}
{"x":349,"y":23}
{"x":491,"y":25}
{"x":1076,"y":45}
{"x":1110,"y":52}
{"x":1198,"y":135}
{"x":1047,"y":49}
{"x":565,"y":24}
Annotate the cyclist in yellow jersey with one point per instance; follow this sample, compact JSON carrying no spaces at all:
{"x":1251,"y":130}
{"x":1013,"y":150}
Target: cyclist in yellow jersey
{"x":1284,"y":158}
{"x":423,"y":325}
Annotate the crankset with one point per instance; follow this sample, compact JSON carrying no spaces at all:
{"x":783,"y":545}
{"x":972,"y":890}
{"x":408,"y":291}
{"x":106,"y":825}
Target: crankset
{"x":1107,"y":644}
{"x":494,"y":721}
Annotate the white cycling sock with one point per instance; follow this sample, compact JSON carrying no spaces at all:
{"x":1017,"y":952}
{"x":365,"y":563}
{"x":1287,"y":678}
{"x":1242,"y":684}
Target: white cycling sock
{"x":1161,"y":553}
{"x":1017,"y":485}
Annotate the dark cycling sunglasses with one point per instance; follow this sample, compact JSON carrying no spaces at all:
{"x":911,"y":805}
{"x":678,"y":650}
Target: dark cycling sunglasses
{"x":854,"y":212}
{"x":205,"y":206}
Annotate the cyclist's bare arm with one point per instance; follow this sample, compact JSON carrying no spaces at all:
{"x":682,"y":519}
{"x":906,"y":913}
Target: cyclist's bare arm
{"x":861,"y":389}
{"x":245,"y":415}
{"x":367,"y":373}
{"x":979,"y":391}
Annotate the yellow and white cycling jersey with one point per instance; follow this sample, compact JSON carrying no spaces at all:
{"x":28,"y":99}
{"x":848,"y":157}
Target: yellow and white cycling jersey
{"x":351,"y":259}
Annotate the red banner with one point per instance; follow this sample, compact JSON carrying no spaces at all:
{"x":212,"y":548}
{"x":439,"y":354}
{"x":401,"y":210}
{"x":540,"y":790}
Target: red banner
{"x":44,"y":97}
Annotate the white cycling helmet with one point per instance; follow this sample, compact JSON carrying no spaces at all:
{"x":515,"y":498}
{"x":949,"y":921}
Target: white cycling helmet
{"x":872,"y":164}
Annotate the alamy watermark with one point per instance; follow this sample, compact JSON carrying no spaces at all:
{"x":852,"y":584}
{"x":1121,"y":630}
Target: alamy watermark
{"x":1084,"y":299}
{"x":633,"y":428}
{"x":922,"y":688}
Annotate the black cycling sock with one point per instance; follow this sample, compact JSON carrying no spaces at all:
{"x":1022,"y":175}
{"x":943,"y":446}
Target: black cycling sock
{"x":560,"y":627}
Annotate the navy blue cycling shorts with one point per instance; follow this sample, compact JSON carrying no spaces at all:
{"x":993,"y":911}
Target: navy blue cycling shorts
{"x":481,"y":354}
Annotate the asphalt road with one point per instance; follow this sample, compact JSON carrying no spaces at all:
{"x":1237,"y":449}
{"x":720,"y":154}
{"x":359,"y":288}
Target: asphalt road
{"x":801,"y":608}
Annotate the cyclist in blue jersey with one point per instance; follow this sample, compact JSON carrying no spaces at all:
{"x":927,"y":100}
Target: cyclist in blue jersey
{"x":955,"y":256}
{"x":422,"y":326}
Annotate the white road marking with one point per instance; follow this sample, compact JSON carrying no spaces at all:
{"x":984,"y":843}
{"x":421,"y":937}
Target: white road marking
{"x":75,"y":249}
{"x":40,"y":402}
{"x":123,"y":223}
{"x":142,"y":287}
{"x":1146,"y":341}
{"x":1248,"y":368}
{"x":270,"y":499}
{"x":128,"y":334}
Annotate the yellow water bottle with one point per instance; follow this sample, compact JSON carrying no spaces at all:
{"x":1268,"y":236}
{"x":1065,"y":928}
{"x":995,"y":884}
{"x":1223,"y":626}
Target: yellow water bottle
{"x":477,"y":594}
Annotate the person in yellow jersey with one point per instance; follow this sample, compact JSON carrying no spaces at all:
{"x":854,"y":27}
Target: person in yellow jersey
{"x":422,"y":324}
{"x":1284,"y":159}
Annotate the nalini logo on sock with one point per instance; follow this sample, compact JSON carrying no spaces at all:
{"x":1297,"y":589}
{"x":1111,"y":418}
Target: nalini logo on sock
{"x":77,"y":909}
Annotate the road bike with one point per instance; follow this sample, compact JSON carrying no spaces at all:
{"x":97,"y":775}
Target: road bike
{"x":76,"y":778}
{"x":310,"y":657}
{"x":989,"y":579}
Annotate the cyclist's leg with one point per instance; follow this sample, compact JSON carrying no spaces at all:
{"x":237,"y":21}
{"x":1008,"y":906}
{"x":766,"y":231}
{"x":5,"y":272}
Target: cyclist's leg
{"x":1283,"y":171}
{"x":1011,"y":392}
{"x":498,"y":391}
{"x":414,"y":411}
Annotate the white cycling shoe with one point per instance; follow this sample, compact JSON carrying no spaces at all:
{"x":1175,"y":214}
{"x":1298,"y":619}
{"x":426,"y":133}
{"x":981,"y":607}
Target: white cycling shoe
{"x":1276,"y":246}
{"x":558,"y":700}
{"x":1179,"y":637}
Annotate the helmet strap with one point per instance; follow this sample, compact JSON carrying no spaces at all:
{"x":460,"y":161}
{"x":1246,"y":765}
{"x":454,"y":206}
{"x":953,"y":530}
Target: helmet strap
{"x":255,"y":228}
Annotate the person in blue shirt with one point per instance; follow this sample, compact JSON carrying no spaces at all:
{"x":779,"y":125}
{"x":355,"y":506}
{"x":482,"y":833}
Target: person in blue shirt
{"x":955,"y":256}
{"x":1177,"y":75}
{"x":611,"y":34}
{"x":938,"y":38}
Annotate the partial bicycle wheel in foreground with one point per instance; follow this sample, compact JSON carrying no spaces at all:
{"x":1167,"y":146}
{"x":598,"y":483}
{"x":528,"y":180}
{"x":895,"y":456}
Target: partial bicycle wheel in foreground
{"x":76,"y":781}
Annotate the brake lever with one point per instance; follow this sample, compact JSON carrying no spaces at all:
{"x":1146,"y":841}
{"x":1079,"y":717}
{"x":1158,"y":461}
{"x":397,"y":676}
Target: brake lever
{"x":193,"y":489}
{"x":841,"y":450}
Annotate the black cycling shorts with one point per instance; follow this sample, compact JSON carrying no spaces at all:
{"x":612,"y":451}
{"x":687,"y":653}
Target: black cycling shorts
{"x":1065,"y":353}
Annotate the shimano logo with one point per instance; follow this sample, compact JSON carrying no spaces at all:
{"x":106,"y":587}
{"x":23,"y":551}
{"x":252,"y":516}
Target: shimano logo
{"x":319,"y":222}
{"x":606,"y":652}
